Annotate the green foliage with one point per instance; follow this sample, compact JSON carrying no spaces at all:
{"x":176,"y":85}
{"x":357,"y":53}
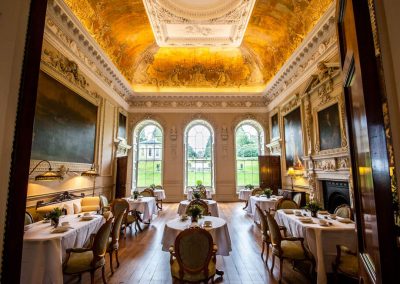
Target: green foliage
{"x":135,"y":194}
{"x":199,"y":183}
{"x":54,"y":214}
{"x":268,"y":192}
{"x":196,"y":195}
{"x":195,"y":210}
{"x":313,"y":206}
{"x":152,"y":186}
{"x":249,"y":186}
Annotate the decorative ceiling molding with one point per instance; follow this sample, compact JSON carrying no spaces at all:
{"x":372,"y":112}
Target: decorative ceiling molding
{"x":199,"y":23}
{"x":62,"y":23}
{"x":319,"y":44}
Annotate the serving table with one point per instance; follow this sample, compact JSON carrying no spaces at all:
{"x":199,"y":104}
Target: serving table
{"x":219,"y":232}
{"x":190,"y":194}
{"x":244,"y":195}
{"x":43,"y":252}
{"x":145,"y":205}
{"x":264,"y":203}
{"x":212,"y":207}
{"x":320,"y":240}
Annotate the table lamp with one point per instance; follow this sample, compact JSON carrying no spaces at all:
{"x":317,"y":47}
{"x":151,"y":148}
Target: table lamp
{"x":291,"y":173}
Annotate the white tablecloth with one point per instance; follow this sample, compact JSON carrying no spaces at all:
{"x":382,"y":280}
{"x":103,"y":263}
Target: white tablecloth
{"x":219,"y":232}
{"x":147,"y":206}
{"x":212,"y":207}
{"x":190,"y":193}
{"x":159,"y":194}
{"x":321,"y":241}
{"x":43,"y":252}
{"x":264,"y":203}
{"x":244,"y":194}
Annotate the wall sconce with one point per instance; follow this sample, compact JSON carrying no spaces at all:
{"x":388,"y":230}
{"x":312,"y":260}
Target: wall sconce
{"x":49,"y":175}
{"x":91,"y":173}
{"x":291,"y":172}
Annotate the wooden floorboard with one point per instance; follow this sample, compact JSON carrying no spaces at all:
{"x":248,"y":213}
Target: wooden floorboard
{"x":143,"y":261}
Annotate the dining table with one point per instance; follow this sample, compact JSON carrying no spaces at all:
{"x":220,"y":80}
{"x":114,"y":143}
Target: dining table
{"x":212,"y":207}
{"x":320,"y":240}
{"x":44,"y":250}
{"x":145,"y":205}
{"x":263,"y":202}
{"x":219,"y":232}
{"x":244,"y":195}
{"x":159,"y":194}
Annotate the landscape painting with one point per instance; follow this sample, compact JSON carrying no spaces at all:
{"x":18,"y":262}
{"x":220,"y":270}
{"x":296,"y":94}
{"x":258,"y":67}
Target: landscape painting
{"x":293,"y":139}
{"x":122,"y":126}
{"x":329,"y":128}
{"x":274,"y":127}
{"x":65,"y":124}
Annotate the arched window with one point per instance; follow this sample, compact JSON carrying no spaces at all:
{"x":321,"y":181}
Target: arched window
{"x":148,"y":154}
{"x":249,"y":141}
{"x":199,"y":154}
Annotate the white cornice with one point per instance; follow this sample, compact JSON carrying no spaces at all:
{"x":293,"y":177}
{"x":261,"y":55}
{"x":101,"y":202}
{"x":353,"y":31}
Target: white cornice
{"x":320,"y":44}
{"x":65,"y":19}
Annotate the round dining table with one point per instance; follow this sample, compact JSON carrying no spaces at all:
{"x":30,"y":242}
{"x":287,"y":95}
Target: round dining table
{"x":212,"y":207}
{"x":244,"y":195}
{"x":218,"y":230}
{"x":263,"y":202}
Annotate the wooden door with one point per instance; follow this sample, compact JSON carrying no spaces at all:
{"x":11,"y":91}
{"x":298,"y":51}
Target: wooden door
{"x":270,"y":172}
{"x":120,"y":185}
{"x":370,"y":165}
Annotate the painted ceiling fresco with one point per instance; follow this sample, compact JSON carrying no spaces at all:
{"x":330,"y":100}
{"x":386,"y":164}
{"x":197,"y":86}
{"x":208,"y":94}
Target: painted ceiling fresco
{"x":122,"y":29}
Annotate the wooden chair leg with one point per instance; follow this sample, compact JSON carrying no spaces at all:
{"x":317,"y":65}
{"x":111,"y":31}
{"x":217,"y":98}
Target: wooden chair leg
{"x":266,"y":259}
{"x":111,"y":262}
{"x":92,"y":276}
{"x":103,"y":274}
{"x":116,"y":257}
{"x":273,"y":262}
{"x":262,"y":251}
{"x":280,"y":269}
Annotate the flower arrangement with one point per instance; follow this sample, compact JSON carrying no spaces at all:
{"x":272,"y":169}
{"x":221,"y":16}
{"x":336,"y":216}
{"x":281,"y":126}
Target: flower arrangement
{"x":268,"y":192}
{"x":196,"y":195}
{"x":199,"y":184}
{"x":54,"y":216}
{"x":313,"y":206}
{"x":135,"y":194}
{"x":249,"y":186}
{"x":152,"y":186}
{"x":195,"y":211}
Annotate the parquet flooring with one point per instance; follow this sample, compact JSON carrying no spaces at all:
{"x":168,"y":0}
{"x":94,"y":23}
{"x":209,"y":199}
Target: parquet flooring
{"x":143,"y":261}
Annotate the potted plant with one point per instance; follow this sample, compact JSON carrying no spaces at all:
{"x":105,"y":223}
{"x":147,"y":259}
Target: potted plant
{"x":135,"y":194}
{"x":249,"y":186}
{"x":195,"y":212}
{"x":199,"y":184}
{"x":152,"y":186}
{"x":268,"y":192}
{"x":313,"y":207}
{"x":196,"y":195}
{"x":54,"y":216}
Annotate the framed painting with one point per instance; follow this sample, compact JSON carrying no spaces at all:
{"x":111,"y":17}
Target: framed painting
{"x":293,"y":139}
{"x":329,"y":128}
{"x":65,"y":124}
{"x":121,"y":126}
{"x":275,"y":127}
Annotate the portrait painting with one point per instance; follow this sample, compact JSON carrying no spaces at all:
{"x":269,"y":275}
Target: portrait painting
{"x":293,"y":139}
{"x":329,"y":128}
{"x":122,"y":125}
{"x":65,"y":124}
{"x":274,"y":127}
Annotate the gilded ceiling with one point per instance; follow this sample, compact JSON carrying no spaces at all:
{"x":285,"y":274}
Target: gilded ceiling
{"x":122,"y":29}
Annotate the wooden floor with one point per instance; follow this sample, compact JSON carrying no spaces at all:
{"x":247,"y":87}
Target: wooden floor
{"x":143,"y":261}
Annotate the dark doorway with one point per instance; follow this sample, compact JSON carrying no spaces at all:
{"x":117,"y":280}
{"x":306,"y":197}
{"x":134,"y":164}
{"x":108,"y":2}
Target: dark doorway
{"x":335,"y":193}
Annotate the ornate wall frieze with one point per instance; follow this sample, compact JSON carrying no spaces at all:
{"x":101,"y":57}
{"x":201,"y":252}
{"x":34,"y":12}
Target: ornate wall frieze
{"x":291,"y":105}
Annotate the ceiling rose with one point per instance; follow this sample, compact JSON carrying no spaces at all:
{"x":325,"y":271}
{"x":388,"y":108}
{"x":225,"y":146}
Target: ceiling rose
{"x":199,"y":23}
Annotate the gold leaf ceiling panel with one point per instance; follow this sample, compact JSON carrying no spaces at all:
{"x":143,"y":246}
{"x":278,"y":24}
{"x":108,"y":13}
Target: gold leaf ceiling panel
{"x":122,"y":29}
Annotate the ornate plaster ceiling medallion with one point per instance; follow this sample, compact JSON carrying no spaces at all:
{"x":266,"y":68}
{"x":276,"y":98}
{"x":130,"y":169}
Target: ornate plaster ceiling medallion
{"x":199,"y":23}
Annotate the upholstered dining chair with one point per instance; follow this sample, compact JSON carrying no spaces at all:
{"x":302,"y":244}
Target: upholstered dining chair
{"x":284,"y":203}
{"x":200,"y":203}
{"x":346,"y":263}
{"x":159,"y":202}
{"x":266,"y":239}
{"x":193,"y":256}
{"x":290,"y":248}
{"x":81,"y":260}
{"x":28,"y":218}
{"x":344,"y":211}
{"x":113,"y":241}
{"x":256,"y":191}
{"x":130,"y":216}
{"x":148,"y":192}
{"x":201,"y":190}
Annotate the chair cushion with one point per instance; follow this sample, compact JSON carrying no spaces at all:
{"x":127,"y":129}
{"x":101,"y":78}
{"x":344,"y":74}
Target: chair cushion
{"x":348,"y":265}
{"x":130,"y":219}
{"x":90,"y":201}
{"x":77,"y":207}
{"x":81,"y":262}
{"x":292,"y":250}
{"x":192,"y":277}
{"x":69,"y":206}
{"x":48,"y":208}
{"x":89,"y":208}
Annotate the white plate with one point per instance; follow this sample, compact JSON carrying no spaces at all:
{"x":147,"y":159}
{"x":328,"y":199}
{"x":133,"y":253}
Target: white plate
{"x":324,"y":225}
{"x":323,"y":212}
{"x":345,"y":220}
{"x":59,"y":230}
{"x":306,"y":219}
{"x":288,"y":211}
{"x":87,"y":218}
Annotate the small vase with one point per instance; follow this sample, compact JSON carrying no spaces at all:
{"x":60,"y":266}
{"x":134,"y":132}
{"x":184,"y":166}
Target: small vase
{"x":314,"y":214}
{"x":268,"y":195}
{"x":195,"y":219}
{"x":54,"y":222}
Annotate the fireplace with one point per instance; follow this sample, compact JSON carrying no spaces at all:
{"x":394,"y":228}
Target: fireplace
{"x":335,"y":193}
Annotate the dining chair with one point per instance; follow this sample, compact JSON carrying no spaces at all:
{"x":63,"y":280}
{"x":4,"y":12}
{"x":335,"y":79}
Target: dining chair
{"x":193,"y":256}
{"x":256,"y":191}
{"x":130,"y":216}
{"x":202,"y":204}
{"x":289,"y":248}
{"x":148,"y":192}
{"x":113,"y":242}
{"x":346,"y":264}
{"x":344,"y":211}
{"x":28,"y":218}
{"x":266,"y":239}
{"x":81,"y":260}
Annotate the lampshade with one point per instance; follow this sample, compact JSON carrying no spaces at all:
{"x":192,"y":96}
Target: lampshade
{"x":291,"y":171}
{"x":49,"y":175}
{"x":90,"y":173}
